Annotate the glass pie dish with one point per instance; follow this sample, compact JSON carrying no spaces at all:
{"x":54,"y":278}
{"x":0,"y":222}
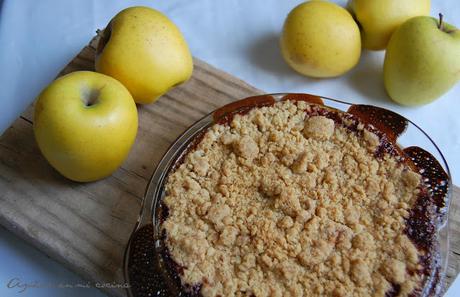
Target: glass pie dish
{"x":149,"y":267}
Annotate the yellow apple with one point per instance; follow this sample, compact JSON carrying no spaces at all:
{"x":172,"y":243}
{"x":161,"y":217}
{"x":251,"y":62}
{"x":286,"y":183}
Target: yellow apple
{"x":145,"y":51}
{"x":422,"y":61}
{"x":320,"y":39}
{"x":85,"y":124}
{"x":380,"y":18}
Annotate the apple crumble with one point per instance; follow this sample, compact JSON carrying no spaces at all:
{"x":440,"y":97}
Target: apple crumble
{"x":293,"y":199}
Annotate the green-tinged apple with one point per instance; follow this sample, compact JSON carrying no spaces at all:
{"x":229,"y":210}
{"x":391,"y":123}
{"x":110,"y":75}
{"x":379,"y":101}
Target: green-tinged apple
{"x":380,"y":18}
{"x":85,"y":124}
{"x":422,"y":61}
{"x":320,"y":39}
{"x":145,"y":51}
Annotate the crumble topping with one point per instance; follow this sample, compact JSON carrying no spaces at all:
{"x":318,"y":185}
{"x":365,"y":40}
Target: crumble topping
{"x":283,"y":201}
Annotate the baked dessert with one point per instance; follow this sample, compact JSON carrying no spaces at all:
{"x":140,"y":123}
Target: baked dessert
{"x":297,"y":199}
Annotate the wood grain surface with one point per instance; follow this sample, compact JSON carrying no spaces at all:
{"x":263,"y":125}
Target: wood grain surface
{"x":86,"y":226}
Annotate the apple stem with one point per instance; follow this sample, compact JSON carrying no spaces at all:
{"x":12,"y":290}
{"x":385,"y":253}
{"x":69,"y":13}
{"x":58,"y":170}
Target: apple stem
{"x":441,"y":24}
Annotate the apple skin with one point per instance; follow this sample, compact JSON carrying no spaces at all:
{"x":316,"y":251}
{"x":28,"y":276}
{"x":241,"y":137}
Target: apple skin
{"x":145,"y":51}
{"x":422,"y":62}
{"x":380,"y":18}
{"x":85,"y":143}
{"x":320,"y":39}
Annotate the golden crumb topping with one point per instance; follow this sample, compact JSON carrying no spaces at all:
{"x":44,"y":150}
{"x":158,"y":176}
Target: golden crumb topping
{"x":283,"y":201}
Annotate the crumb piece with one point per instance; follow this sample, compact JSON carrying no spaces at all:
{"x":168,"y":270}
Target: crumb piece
{"x":228,"y":235}
{"x":286,"y":222}
{"x":409,"y":249}
{"x":319,"y":127}
{"x":371,"y":138}
{"x":340,"y":291}
{"x":261,"y":121}
{"x":373,"y":187}
{"x":315,"y":255}
{"x":300,"y":165}
{"x":217,"y":213}
{"x":247,"y":147}
{"x":201,"y":166}
{"x":288,"y":269}
{"x":351,"y":216}
{"x":228,"y":138}
{"x":330,"y":177}
{"x":269,"y":187}
{"x":411,"y":179}
{"x":191,"y":185}
{"x":363,"y":241}
{"x":195,"y":246}
{"x":360,"y":273}
{"x":394,"y":271}
{"x":288,"y":201}
{"x":249,"y":261}
{"x":266,"y":260}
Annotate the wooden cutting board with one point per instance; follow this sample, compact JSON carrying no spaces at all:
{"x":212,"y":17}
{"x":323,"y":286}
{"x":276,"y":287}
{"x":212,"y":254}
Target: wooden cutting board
{"x":86,"y":226}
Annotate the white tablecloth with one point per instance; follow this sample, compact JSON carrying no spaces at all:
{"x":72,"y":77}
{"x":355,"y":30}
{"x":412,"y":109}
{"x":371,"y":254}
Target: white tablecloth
{"x":37,"y":38}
